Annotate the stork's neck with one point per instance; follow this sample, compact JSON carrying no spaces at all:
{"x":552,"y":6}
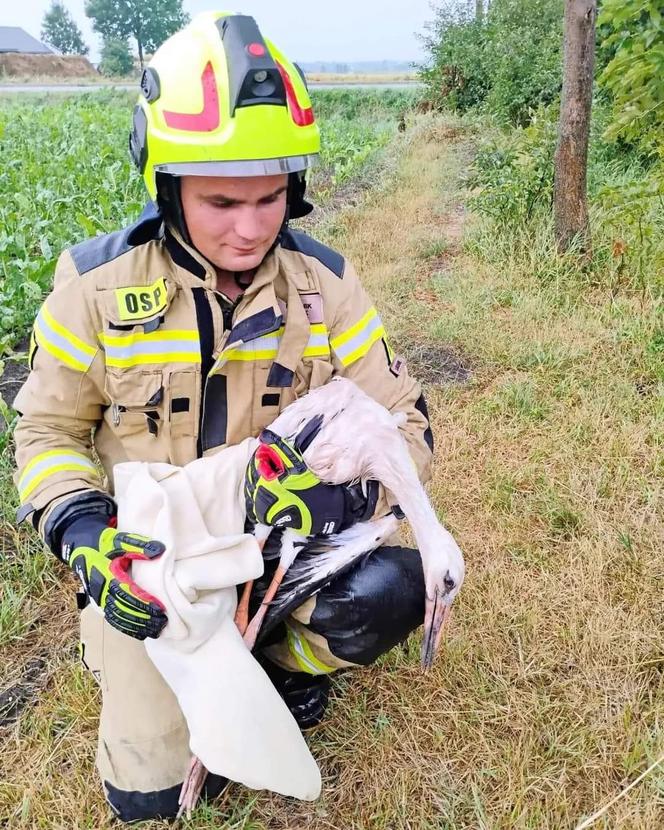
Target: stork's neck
{"x":429,"y":534}
{"x":397,"y":472}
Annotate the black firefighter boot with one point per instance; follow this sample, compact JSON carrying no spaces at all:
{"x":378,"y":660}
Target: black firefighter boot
{"x":306,"y":695}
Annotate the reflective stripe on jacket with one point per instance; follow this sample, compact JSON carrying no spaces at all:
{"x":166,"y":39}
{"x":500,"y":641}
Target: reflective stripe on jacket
{"x":131,"y":358}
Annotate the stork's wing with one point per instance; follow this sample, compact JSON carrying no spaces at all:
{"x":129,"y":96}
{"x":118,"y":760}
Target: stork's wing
{"x":317,"y":565}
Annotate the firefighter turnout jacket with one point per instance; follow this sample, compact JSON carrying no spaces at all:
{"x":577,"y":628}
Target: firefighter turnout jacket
{"x":136,"y":357}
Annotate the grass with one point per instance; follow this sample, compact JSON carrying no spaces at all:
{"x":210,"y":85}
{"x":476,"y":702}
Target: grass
{"x":69,"y":80}
{"x":547,"y":699}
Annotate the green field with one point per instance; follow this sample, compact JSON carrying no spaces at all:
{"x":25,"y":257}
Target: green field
{"x":66,"y":175}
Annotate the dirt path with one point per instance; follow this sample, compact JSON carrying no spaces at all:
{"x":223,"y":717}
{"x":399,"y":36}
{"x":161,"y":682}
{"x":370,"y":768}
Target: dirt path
{"x":14,"y":372}
{"x":548,"y":696}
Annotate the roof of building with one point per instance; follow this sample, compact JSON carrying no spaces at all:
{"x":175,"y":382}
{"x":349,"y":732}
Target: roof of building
{"x":15,"y":39}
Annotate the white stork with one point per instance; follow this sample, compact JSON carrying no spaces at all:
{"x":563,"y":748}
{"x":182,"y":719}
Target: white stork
{"x":357,"y":440}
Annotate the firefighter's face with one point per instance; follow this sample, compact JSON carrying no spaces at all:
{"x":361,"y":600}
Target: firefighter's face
{"x":234,"y":221}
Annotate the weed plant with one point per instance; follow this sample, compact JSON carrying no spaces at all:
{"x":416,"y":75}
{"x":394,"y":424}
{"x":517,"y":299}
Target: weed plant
{"x":512,"y":177}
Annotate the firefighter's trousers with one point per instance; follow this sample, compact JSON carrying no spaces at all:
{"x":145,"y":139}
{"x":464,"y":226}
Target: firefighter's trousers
{"x":143,"y":750}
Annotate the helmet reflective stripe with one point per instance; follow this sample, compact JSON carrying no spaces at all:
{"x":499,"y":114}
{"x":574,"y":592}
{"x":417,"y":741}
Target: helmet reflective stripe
{"x":205,"y":120}
{"x":248,"y":167}
{"x":302,"y":117}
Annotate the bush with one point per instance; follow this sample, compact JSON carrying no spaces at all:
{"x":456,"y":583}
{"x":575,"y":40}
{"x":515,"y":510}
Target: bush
{"x":633,"y":73}
{"x":116,"y":58}
{"x":524,"y":56}
{"x":513,"y":172}
{"x":513,"y":180}
{"x":457,"y":73}
{"x":513,"y":169}
{"x":508,"y":63}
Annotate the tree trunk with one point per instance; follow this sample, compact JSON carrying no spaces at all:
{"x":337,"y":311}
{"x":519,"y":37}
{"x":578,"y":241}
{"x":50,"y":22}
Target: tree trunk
{"x":479,"y":9}
{"x":140,"y":51}
{"x":570,"y":201}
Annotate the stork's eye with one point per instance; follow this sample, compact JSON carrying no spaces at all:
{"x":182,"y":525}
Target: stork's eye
{"x":269,"y":463}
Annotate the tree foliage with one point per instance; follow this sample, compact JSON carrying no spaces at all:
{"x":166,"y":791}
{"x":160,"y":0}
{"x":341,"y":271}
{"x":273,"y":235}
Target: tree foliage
{"x":635,"y":74}
{"x":116,"y":59}
{"x":149,"y":23}
{"x":59,"y":30}
{"x":508,"y":61}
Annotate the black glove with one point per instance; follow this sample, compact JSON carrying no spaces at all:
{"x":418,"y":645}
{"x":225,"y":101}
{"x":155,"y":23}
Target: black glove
{"x":280,"y":490}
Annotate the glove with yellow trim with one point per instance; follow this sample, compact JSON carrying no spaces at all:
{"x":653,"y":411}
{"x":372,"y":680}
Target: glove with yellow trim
{"x":280,"y":490}
{"x":101,"y":557}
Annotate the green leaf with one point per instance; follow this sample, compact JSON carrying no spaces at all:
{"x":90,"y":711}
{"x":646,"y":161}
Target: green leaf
{"x":45,"y":247}
{"x":86,"y":223}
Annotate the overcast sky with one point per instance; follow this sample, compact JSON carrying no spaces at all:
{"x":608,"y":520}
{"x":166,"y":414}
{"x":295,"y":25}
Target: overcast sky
{"x":307,"y":30}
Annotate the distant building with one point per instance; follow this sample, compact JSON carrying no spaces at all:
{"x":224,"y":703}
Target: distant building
{"x":15,"y":39}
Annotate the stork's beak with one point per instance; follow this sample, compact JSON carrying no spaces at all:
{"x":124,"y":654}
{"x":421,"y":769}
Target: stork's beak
{"x":437,"y":611}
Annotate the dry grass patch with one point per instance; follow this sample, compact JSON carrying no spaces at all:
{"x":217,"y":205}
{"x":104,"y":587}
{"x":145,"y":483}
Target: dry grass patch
{"x":21,"y":65}
{"x":547,"y":699}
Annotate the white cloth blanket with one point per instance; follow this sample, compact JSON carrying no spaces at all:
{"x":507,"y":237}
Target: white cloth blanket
{"x":239,"y":726}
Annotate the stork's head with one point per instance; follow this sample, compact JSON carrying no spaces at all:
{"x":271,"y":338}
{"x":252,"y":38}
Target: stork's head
{"x":444,"y":571}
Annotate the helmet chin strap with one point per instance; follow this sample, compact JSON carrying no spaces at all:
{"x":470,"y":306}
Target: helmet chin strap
{"x":169,"y":202}
{"x":296,"y":205}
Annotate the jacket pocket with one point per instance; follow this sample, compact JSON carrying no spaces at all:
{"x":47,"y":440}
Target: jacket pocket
{"x":136,"y":402}
{"x":183,"y":395}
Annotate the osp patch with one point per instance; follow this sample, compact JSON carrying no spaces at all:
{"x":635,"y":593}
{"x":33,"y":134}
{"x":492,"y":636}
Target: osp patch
{"x":139,"y":302}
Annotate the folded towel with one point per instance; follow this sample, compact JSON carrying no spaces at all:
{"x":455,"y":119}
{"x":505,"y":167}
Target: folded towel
{"x":239,"y":726}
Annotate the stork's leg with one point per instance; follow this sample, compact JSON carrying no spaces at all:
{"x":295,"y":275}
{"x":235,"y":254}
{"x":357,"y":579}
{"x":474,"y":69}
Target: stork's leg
{"x":291,"y":544}
{"x":261,"y":532}
{"x":242,"y":611}
{"x":191,"y":787}
{"x":251,"y":634}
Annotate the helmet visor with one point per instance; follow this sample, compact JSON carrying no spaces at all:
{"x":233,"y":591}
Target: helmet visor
{"x":247,"y":167}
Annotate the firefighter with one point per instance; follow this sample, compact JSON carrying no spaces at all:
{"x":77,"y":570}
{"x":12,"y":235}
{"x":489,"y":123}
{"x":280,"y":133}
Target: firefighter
{"x":188,"y":331}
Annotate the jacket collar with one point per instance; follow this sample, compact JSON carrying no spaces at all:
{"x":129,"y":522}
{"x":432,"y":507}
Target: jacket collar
{"x":258,"y":312}
{"x":183,"y":256}
{"x":188,"y":258}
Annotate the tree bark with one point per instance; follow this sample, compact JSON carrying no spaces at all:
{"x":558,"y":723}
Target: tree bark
{"x":479,"y":9}
{"x":570,"y":201}
{"x":140,"y":50}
